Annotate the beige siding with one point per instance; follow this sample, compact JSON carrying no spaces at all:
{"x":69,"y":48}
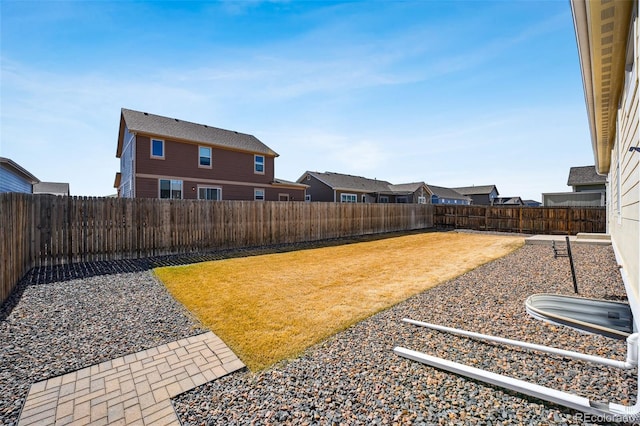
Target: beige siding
{"x":624,"y":178}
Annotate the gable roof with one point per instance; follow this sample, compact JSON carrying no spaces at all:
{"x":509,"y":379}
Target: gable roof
{"x":448,"y":193}
{"x":476,"y":190}
{"x":602,"y":35}
{"x":348,"y":182}
{"x":408,"y":188}
{"x":15,"y":168}
{"x":172,"y":128}
{"x":585,"y":175}
{"x":508,"y":201}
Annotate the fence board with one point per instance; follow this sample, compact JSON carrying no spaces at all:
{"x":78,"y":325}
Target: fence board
{"x":43,"y":230}
{"x":528,"y":220}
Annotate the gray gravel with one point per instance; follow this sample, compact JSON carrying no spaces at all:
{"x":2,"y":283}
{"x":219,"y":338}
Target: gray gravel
{"x":352,"y":378}
{"x":51,"y":329}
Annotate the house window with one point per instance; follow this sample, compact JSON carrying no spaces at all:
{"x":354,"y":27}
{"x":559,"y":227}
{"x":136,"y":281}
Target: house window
{"x":402,"y":200}
{"x":171,"y":189}
{"x":157,"y":148}
{"x":204,"y":157}
{"x":209,"y":193}
{"x":283,"y":197}
{"x":307,"y":197}
{"x":384,"y":199}
{"x":258,"y":164}
{"x":258,"y":194}
{"x":422,"y":200}
{"x":348,"y":198}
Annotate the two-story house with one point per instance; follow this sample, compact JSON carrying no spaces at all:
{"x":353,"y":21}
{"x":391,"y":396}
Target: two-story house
{"x":162,"y":157}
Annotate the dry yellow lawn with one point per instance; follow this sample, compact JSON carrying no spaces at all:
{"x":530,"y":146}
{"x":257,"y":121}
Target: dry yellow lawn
{"x":272,"y":307}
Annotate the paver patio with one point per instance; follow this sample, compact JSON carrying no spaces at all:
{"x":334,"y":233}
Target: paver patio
{"x":134,"y":389}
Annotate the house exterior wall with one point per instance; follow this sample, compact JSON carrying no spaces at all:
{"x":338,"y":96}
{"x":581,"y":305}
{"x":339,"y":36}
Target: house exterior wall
{"x":574,"y":199}
{"x":231,"y":171}
{"x":318,"y":190}
{"x":480,"y":199}
{"x":150,"y":188}
{"x":127,"y":165}
{"x":358,"y":195}
{"x":623,"y":178}
{"x":586,"y":188}
{"x":181,"y":159}
{"x":437,"y":200}
{"x":10,"y":182}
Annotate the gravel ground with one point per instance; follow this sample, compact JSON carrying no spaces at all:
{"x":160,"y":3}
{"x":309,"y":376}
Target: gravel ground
{"x":51,"y":329}
{"x":352,"y":378}
{"x":355,"y":378}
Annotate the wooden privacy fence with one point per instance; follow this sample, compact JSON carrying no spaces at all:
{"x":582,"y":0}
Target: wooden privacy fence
{"x":43,"y":230}
{"x":527,"y":220}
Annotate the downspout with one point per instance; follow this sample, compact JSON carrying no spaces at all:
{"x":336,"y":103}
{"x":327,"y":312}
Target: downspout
{"x":629,"y":363}
{"x":609,"y":411}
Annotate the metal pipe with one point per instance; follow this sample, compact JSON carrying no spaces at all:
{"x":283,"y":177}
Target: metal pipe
{"x":629,"y":363}
{"x":608,"y":411}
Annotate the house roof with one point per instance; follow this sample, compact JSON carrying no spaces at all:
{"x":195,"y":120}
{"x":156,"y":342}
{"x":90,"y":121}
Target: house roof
{"x":508,"y":201}
{"x":172,"y":128}
{"x":348,"y":182}
{"x":476,"y":190}
{"x":16,"y":168}
{"x":602,"y":30}
{"x":448,"y":193}
{"x":406,"y":188}
{"x":287,"y":183}
{"x":585,"y":175}
{"x":55,"y":188}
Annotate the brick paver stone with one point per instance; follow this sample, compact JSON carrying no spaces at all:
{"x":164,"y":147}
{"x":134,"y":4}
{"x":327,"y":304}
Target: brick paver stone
{"x":133,"y":389}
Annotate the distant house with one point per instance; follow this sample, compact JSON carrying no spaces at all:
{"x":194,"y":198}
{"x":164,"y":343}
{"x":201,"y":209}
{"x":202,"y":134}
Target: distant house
{"x":480,"y":195}
{"x":589,"y":190}
{"x":53,"y":188}
{"x":338,"y":187}
{"x":508,"y":201}
{"x":442,"y":195}
{"x":585,"y":179}
{"x":415,"y":193}
{"x":162,"y":157}
{"x":532,"y":203}
{"x":15,"y":178}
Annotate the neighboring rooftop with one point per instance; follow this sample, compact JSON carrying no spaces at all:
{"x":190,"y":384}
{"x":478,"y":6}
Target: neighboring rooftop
{"x":476,"y":190}
{"x":508,"y":201}
{"x":173,"y":128}
{"x":348,"y":182}
{"x":451,"y":194}
{"x":585,"y":175}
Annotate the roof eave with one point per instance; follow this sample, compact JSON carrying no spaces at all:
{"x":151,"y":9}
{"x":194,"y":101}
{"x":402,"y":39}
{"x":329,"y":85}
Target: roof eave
{"x":601,"y":34}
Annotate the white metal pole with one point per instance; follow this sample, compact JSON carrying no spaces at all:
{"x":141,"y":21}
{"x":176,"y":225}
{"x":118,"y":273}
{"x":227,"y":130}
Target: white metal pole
{"x":632,"y":342}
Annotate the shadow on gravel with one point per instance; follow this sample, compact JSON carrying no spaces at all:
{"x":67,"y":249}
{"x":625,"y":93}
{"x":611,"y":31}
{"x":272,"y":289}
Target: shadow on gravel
{"x":82,"y":270}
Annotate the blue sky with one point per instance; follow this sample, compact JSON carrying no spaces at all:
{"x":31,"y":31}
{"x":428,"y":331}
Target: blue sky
{"x":453,"y":93}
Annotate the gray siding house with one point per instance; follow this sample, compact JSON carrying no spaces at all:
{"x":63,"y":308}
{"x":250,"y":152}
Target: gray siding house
{"x":343,"y":188}
{"x":480,"y":195}
{"x":589,"y":190}
{"x":442,"y":195}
